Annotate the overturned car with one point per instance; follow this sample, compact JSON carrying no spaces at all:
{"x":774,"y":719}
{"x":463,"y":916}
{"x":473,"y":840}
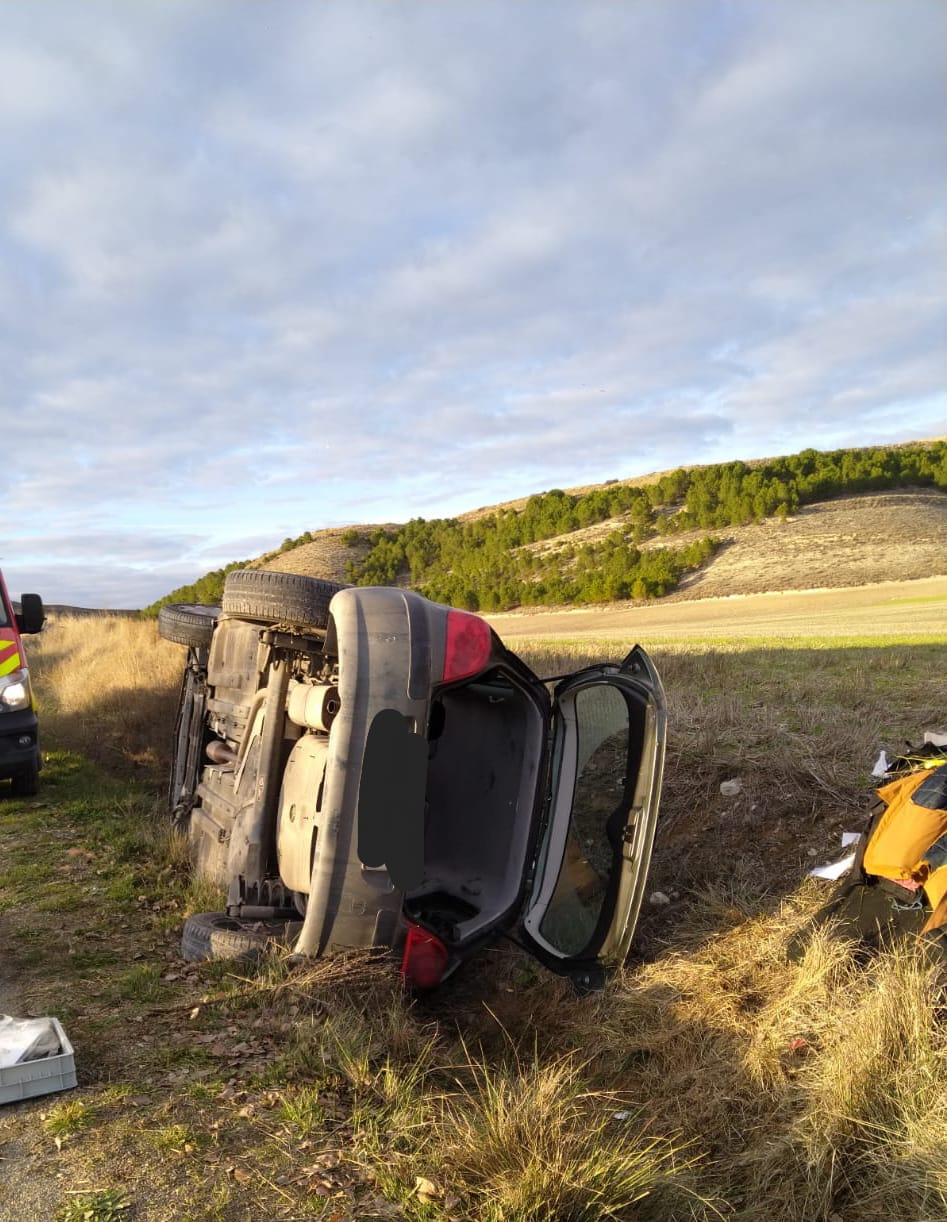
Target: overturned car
{"x":361,"y":767}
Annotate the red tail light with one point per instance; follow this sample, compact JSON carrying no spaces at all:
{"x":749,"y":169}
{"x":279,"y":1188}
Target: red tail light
{"x":425,"y":959}
{"x":468,"y":646}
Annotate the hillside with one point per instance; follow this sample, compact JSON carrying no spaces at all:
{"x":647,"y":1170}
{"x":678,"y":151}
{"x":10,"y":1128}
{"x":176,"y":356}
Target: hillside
{"x":852,"y":541}
{"x":832,"y":519}
{"x":326,"y":555}
{"x":857,"y":540}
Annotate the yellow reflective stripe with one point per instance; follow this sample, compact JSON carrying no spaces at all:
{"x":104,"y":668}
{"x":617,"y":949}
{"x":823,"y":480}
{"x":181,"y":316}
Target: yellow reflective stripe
{"x":6,"y":645}
{"x":8,"y":664}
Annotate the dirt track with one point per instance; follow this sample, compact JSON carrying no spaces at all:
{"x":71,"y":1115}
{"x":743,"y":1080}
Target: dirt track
{"x":887,"y":609}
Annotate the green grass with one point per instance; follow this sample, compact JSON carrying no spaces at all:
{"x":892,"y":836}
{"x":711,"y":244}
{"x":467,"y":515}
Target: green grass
{"x":175,"y":1139}
{"x":303,"y":1111}
{"x":99,"y":1205}
{"x":140,"y":983}
{"x":68,"y":1118}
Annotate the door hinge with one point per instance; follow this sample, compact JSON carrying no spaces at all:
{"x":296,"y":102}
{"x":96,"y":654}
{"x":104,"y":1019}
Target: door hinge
{"x":631,"y":827}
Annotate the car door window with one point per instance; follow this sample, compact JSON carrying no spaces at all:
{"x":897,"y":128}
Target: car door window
{"x":600,"y":733}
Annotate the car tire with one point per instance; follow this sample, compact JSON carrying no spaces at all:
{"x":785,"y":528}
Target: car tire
{"x":278,"y":598}
{"x":190,"y":740}
{"x":187,"y":623}
{"x":217,"y":935}
{"x":25,"y":784}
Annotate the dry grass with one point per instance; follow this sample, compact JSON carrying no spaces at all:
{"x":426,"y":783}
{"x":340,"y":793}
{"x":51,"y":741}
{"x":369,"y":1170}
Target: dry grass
{"x":107,"y":688}
{"x":532,"y":1140}
{"x":718,"y":1080}
{"x":712,"y":1078}
{"x":809,"y":1087}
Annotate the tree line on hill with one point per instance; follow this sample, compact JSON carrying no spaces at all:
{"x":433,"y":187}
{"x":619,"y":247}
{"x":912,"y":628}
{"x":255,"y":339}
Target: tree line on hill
{"x":478,"y":566}
{"x":497,"y":561}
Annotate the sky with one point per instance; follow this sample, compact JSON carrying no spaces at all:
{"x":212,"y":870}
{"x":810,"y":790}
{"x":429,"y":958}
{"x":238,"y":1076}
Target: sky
{"x":269,"y":268}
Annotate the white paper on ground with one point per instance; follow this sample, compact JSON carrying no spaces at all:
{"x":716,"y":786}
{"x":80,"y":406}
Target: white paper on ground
{"x":881,"y":765}
{"x":835,"y":869}
{"x":936,"y":738}
{"x":26,"y":1039}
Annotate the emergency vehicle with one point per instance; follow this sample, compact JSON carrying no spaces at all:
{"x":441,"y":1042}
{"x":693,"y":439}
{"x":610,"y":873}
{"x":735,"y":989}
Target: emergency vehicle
{"x":19,"y":740}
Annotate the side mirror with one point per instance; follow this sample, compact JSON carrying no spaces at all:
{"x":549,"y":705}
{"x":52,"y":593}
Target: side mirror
{"x":31,"y":616}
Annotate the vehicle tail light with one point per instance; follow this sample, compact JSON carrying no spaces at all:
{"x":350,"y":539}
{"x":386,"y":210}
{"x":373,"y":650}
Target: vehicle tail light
{"x":425,"y":959}
{"x":468,"y":647}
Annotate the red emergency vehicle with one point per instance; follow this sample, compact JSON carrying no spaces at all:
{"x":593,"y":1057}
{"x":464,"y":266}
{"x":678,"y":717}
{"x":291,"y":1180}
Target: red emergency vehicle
{"x":19,"y":740}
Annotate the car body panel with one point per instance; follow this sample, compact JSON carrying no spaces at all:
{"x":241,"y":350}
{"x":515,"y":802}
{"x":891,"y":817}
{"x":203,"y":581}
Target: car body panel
{"x":608,"y":756}
{"x":385,"y":648}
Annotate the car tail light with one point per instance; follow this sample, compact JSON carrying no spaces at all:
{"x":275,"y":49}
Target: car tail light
{"x":468,"y":647}
{"x":425,"y":959}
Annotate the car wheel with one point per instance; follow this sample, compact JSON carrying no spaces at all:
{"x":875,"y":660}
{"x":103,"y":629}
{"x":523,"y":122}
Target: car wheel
{"x":278,"y":598}
{"x":26,"y":783}
{"x":187,"y":623}
{"x":216,"y":935}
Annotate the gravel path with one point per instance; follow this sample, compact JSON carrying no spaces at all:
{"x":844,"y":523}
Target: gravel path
{"x":28,"y":1186}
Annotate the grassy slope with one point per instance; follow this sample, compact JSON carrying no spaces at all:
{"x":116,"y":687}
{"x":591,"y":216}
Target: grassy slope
{"x":851,"y":541}
{"x":711,"y":1076}
{"x":865,"y":537}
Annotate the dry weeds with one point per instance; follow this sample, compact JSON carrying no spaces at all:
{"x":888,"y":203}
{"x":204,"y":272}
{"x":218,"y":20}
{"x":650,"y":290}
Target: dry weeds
{"x":712,"y":1078}
{"x":107,"y":687}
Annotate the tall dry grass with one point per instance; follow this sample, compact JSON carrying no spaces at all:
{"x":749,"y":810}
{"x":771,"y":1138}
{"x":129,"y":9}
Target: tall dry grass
{"x":810,"y":1088}
{"x":713,"y":1077}
{"x":107,"y":688}
{"x":717,"y":1080}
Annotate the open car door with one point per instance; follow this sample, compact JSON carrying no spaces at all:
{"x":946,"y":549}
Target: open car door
{"x":605,"y":785}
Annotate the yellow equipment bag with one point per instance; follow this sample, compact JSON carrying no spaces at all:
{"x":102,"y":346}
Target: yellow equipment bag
{"x":897,"y":886}
{"x":915,"y":819}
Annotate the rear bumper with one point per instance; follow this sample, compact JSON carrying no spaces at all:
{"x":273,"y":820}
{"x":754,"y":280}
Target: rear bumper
{"x":387,"y":642}
{"x":19,"y":742}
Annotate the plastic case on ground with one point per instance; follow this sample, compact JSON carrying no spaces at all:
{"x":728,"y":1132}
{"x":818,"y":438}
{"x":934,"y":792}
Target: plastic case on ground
{"x":41,"y":1077}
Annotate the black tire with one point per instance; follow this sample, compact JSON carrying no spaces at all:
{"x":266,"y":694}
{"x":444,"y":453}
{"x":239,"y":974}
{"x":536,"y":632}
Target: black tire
{"x":25,"y":784}
{"x":187,"y":623}
{"x":215,"y":935}
{"x":278,"y":598}
{"x":191,"y":736}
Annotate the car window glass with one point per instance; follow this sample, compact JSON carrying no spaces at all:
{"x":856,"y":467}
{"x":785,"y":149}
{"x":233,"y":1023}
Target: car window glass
{"x":602,"y":727}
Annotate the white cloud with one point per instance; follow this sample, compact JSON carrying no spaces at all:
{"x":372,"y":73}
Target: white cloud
{"x":313,"y":265}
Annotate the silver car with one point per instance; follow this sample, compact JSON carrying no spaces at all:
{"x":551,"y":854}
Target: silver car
{"x":361,"y":767}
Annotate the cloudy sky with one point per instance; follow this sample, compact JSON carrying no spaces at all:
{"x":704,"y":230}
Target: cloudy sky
{"x":273,"y":267}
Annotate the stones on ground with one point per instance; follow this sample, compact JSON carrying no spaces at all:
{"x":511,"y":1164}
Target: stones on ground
{"x":731,"y":788}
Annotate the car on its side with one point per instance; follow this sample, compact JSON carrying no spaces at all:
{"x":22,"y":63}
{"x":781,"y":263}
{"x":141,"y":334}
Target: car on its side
{"x":19,"y":731}
{"x":362,"y":767}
